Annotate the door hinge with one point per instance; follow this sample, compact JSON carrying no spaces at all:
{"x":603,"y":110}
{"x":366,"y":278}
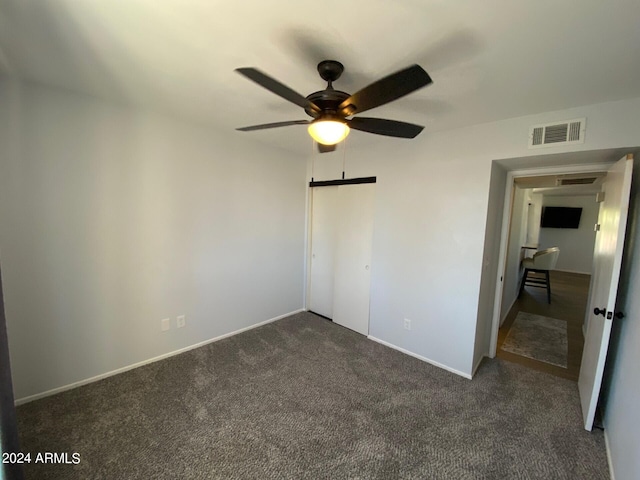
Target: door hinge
{"x":596,"y":227}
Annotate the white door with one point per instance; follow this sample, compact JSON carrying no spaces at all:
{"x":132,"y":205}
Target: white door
{"x":341,"y":235}
{"x":352,"y":279}
{"x":604,"y":283}
{"x":323,"y":245}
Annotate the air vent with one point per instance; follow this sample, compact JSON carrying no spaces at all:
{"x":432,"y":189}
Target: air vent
{"x":563,"y":133}
{"x":576,"y":181}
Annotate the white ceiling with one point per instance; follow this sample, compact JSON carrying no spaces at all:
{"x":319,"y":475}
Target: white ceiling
{"x":489,"y":60}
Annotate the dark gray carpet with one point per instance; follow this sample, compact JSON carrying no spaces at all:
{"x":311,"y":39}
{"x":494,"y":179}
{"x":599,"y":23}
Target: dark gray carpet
{"x":538,"y":337}
{"x":305,"y":398}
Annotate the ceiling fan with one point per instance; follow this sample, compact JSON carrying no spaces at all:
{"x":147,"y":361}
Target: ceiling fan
{"x":331,"y":108}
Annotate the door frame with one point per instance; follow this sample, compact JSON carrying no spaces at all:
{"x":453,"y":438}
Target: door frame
{"x":9,"y":440}
{"x":557,"y":169}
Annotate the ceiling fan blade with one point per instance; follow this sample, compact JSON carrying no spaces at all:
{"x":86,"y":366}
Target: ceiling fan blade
{"x":326,"y":148}
{"x":278,"y":88}
{"x":386,"y":90}
{"x":273,"y":125}
{"x":381,"y":126}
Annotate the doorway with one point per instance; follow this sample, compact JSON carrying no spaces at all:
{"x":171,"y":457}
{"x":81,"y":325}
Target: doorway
{"x":509,"y":169}
{"x":540,"y":328}
{"x":607,"y":258}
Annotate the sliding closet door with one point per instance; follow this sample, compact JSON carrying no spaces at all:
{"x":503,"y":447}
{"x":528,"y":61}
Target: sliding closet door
{"x":341,"y":236}
{"x":353,"y":257}
{"x":323,"y":245}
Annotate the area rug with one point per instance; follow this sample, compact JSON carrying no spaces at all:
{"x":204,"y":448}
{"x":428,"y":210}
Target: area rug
{"x":538,"y":337}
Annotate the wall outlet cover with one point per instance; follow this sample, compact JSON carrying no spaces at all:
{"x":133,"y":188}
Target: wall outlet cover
{"x":165,"y":324}
{"x":181,"y":321}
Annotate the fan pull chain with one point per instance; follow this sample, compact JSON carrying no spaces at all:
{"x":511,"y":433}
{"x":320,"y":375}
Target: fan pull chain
{"x":344,"y":156}
{"x":313,"y":157}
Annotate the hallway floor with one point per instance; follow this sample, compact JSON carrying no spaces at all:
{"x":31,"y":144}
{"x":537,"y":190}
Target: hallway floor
{"x":569,"y":296}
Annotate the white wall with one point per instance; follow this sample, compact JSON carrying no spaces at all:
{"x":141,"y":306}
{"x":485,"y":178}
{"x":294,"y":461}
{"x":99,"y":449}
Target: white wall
{"x":517,"y":238}
{"x":622,"y":375}
{"x":490,"y":261}
{"x":431,"y":211}
{"x":534,"y":213}
{"x":576,"y":245}
{"x":185,"y":233}
{"x":524,"y":229}
{"x":112,"y":219}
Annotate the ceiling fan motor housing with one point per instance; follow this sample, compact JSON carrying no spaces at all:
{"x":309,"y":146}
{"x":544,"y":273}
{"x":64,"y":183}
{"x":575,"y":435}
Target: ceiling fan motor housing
{"x":327,"y":100}
{"x":330,"y":70}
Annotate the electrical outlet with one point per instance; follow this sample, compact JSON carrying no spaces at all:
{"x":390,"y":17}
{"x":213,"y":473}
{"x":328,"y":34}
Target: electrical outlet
{"x":407,"y":324}
{"x":165,"y":324}
{"x":181,"y":321}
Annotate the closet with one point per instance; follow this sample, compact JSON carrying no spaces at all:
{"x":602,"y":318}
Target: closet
{"x":341,"y":238}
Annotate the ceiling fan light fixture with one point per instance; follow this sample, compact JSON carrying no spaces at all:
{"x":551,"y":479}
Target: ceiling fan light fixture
{"x":328,"y":132}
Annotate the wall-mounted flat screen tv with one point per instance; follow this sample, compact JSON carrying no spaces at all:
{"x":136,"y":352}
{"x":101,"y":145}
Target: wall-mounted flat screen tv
{"x":560,"y":217}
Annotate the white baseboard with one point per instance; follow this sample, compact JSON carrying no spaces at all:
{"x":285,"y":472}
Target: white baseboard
{"x":608,"y":449}
{"x":86,"y":381}
{"x":507,"y":310}
{"x":477,"y":365}
{"x":420,"y":357}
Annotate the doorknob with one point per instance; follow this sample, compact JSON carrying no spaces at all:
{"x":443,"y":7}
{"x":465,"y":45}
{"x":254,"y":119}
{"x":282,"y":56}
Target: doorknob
{"x":602,"y":312}
{"x":619,"y":315}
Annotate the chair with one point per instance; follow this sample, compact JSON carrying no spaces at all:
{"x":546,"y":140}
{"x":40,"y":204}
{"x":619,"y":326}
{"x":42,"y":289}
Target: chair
{"x":540,"y":263}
